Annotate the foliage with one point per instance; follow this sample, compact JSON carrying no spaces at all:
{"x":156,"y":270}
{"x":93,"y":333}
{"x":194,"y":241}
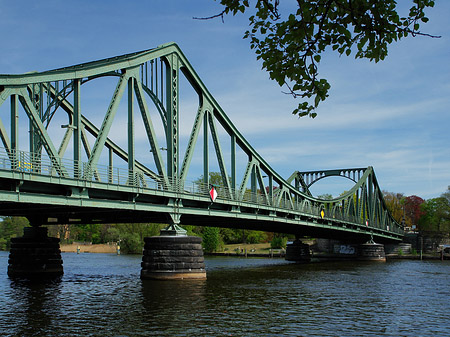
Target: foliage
{"x":130,"y":236}
{"x":395,"y":204}
{"x":436,"y":216}
{"x":413,"y":211}
{"x":326,"y":196}
{"x":278,"y":242}
{"x":215,"y":178}
{"x":211,"y":239}
{"x":290,"y":45}
{"x":11,"y":227}
{"x":193,"y":230}
{"x":88,"y":233}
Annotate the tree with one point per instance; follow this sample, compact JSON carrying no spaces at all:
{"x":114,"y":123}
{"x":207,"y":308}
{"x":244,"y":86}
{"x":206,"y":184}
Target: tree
{"x":326,"y":196}
{"x":413,"y":212}
{"x":290,"y":45}
{"x":435,"y":216}
{"x":211,"y":239}
{"x":130,"y":236}
{"x":395,"y":204}
{"x":11,"y":227}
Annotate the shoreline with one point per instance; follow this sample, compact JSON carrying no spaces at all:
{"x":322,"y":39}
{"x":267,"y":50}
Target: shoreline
{"x":275,"y":253}
{"x":89,"y":248}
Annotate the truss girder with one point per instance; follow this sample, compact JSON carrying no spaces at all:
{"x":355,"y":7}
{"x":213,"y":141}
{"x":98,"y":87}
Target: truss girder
{"x":107,"y":122}
{"x":43,"y":94}
{"x":41,"y":132}
{"x":150,"y":130}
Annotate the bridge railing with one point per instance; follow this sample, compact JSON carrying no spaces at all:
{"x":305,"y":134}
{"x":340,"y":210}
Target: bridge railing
{"x":28,"y":163}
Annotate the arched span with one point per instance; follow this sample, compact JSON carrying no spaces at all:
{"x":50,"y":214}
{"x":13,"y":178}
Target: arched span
{"x":311,"y":177}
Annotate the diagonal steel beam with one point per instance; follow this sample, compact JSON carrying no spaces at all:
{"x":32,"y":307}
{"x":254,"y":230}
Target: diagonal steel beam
{"x":151,"y":134}
{"x":246,"y":177}
{"x":262,"y":187}
{"x":107,"y":121}
{"x":159,"y":106}
{"x":4,"y":137}
{"x":93,"y":130}
{"x":220,"y":159}
{"x":3,"y":133}
{"x":192,"y":142}
{"x":42,"y":132}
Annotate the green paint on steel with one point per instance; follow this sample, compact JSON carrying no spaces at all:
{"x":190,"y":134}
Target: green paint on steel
{"x":93,"y":189}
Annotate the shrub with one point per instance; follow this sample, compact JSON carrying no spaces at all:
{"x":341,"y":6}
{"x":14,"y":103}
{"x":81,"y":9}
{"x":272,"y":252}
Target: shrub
{"x":278,"y":242}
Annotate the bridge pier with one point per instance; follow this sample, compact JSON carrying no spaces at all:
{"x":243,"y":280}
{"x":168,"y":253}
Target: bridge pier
{"x":298,"y":251}
{"x":173,"y":255}
{"x":35,"y":255}
{"x":371,"y":251}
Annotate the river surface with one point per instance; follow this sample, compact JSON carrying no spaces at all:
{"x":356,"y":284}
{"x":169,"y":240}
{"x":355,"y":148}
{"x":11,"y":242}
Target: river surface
{"x":102,"y":295}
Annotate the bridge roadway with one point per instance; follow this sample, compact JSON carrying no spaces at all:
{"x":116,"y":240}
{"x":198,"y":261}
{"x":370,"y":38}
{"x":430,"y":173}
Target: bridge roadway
{"x":49,"y":185}
{"x":47,"y":198}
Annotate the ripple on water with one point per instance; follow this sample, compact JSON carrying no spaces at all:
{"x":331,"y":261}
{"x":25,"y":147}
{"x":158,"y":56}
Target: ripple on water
{"x":102,"y":295}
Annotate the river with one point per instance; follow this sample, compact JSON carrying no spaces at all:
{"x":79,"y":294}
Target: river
{"x":102,"y":295}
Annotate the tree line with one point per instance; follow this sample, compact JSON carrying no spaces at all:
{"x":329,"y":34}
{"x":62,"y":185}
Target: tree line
{"x":428,"y":217}
{"x":130,"y":236}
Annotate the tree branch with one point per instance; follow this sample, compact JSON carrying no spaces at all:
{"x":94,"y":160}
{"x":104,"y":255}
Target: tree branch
{"x":220,"y":15}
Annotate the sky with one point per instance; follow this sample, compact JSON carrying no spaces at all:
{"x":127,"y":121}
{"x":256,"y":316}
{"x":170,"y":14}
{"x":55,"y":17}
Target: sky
{"x":393,"y":115}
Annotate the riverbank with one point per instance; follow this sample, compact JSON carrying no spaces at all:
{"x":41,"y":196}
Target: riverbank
{"x":245,"y":250}
{"x":88,"y":248}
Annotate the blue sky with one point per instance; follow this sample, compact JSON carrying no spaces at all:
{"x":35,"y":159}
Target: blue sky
{"x":393,"y":115}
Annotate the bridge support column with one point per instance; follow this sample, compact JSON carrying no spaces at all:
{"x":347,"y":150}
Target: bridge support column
{"x":371,"y":251}
{"x":298,"y":251}
{"x":173,"y":255}
{"x":35,"y":255}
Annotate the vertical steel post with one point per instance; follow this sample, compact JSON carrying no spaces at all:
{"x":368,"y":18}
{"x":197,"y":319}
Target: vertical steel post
{"x":233,"y":165}
{"x":131,"y":163}
{"x":110,"y":167}
{"x":14,"y":130}
{"x":172,"y":69}
{"x":205,"y":149}
{"x":253,"y":182}
{"x":271,"y":189}
{"x":370,"y":201}
{"x":76,"y":128}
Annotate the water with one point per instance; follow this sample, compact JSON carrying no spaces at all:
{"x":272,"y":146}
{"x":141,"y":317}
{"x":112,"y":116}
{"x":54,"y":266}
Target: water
{"x":102,"y":295}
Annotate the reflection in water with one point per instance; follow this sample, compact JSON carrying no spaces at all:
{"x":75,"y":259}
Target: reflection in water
{"x":102,"y":295}
{"x":32,"y":306}
{"x":173,"y":306}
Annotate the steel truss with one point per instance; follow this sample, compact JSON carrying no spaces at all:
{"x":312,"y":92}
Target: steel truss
{"x":56,"y":189}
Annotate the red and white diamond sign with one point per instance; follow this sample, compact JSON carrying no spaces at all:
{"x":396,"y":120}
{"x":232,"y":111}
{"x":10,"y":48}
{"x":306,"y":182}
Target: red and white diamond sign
{"x":213,"y":194}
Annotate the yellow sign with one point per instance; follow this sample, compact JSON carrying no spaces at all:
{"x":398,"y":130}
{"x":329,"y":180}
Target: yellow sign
{"x":322,"y":213}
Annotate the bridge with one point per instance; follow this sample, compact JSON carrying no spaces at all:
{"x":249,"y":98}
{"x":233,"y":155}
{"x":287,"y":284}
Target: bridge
{"x":138,"y":167}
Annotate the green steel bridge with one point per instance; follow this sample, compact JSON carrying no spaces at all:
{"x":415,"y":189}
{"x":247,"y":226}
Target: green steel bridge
{"x":137,"y":169}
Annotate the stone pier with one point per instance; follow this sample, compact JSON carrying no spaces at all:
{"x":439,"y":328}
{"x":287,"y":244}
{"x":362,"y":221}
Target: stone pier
{"x":298,"y":251}
{"x":371,"y":251}
{"x":173,"y":255}
{"x":35,"y":255}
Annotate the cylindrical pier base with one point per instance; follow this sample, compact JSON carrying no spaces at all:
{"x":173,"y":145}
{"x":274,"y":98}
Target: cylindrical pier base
{"x":371,"y":251}
{"x":298,"y":251}
{"x":173,"y":257}
{"x":35,"y":255}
